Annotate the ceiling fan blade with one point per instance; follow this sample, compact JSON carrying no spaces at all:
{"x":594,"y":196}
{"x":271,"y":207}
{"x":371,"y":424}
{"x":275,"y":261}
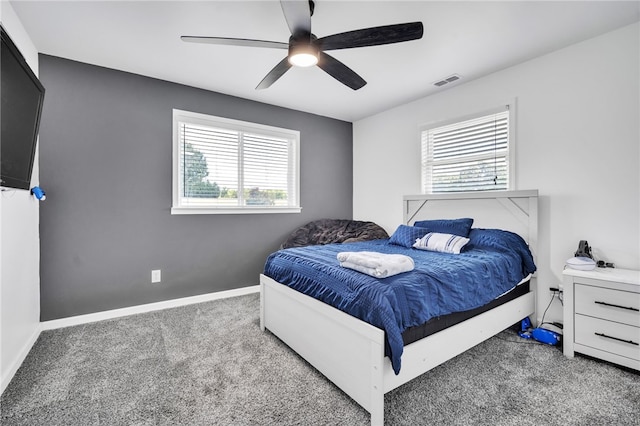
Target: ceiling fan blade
{"x":235,"y":42}
{"x":273,"y":75}
{"x":375,"y":36}
{"x":297,"y":13}
{"x":340,"y":71}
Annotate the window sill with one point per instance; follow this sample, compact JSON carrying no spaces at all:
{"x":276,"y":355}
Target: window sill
{"x":234,"y":210}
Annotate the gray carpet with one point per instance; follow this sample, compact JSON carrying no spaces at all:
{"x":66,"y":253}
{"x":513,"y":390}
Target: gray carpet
{"x":209,"y":364}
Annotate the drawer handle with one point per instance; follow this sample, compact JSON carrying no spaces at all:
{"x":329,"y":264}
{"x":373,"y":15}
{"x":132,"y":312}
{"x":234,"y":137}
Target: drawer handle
{"x":615,"y":338}
{"x":617,"y":306}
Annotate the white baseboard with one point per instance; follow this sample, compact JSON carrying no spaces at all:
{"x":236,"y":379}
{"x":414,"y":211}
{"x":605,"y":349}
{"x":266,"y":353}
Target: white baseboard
{"x":132,"y":310}
{"x":22,"y":355}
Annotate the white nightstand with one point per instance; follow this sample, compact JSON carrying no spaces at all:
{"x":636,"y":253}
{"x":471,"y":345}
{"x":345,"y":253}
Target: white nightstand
{"x":602,"y":314}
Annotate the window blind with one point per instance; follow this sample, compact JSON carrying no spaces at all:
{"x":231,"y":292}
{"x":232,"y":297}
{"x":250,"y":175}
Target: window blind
{"x":470,"y":155}
{"x":235,"y":168}
{"x":267,"y":170}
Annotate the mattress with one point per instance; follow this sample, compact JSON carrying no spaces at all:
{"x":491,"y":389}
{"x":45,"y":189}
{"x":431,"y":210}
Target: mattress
{"x":436,"y":324}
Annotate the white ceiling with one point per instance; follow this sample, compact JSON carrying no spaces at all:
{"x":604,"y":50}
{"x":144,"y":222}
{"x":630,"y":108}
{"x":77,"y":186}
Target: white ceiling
{"x":471,"y":39}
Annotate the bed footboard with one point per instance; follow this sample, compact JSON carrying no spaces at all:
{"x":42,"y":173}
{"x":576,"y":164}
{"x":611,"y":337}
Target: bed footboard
{"x":349,"y":352}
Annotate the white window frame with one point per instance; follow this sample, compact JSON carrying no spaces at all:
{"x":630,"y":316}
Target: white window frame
{"x":511,"y":150}
{"x":225,"y":123}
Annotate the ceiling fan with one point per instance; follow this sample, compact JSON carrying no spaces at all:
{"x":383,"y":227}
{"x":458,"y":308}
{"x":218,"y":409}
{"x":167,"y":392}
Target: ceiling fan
{"x":305,"y":49}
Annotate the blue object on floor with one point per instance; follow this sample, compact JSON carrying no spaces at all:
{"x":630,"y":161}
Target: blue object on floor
{"x":543,"y":335}
{"x":525,"y":328}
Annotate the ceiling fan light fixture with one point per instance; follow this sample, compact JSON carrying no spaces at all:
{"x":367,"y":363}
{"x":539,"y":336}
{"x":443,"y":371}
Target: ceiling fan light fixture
{"x":303,"y":59}
{"x":303,"y":55}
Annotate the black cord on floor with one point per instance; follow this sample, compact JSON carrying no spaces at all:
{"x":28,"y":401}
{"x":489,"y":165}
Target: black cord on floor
{"x":555,"y":293}
{"x":519,"y":341}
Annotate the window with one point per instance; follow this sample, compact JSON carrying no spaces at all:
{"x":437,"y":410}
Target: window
{"x":229,"y":166}
{"x":468,"y":155}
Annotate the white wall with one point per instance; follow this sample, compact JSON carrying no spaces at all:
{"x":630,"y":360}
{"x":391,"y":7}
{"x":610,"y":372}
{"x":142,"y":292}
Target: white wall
{"x":577,"y":142}
{"x":20,"y":248}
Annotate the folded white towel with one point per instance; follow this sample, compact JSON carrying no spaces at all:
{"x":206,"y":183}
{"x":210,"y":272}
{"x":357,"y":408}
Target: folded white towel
{"x":369,"y":271}
{"x":379,"y":265}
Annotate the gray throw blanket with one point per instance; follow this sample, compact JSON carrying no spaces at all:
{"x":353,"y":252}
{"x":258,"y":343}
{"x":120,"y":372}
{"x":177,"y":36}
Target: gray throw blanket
{"x":327,"y":231}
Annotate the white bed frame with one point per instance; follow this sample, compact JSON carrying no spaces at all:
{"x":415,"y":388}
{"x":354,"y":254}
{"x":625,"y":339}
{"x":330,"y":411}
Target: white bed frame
{"x":350,"y":352}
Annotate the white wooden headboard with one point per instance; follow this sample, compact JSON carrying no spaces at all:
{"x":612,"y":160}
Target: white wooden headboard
{"x":515,"y":211}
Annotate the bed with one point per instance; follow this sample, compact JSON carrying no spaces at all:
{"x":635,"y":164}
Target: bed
{"x":351,"y":352}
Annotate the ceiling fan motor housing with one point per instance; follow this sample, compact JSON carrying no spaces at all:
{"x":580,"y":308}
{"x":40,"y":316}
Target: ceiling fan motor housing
{"x":303,"y":49}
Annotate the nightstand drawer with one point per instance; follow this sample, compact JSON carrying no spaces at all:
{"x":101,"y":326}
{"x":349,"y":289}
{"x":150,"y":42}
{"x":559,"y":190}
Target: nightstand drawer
{"x":605,"y":303}
{"x":608,"y":336}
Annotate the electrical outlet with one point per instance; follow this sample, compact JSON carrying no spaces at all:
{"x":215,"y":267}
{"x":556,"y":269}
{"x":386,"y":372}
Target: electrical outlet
{"x":155,"y":276}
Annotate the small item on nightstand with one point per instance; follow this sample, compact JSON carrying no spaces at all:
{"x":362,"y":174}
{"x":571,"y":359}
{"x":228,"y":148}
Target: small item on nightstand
{"x":583,"y":259}
{"x":583,"y":250}
{"x":581,"y":263}
{"x":603,"y":264}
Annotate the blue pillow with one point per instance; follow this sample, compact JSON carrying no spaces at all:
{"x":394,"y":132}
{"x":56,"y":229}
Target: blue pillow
{"x":460,"y":227}
{"x":406,"y":236}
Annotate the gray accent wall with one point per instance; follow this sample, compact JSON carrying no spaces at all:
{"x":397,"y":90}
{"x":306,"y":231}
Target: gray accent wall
{"x":106,"y":166}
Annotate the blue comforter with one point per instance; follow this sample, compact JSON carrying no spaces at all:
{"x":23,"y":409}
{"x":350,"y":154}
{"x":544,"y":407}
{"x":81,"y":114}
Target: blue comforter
{"x":492,"y":263}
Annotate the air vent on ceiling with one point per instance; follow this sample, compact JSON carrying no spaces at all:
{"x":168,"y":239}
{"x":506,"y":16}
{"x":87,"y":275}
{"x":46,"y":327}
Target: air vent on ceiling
{"x":447,"y":80}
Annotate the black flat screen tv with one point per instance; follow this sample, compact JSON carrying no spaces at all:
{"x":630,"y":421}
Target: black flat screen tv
{"x":22,"y":97}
